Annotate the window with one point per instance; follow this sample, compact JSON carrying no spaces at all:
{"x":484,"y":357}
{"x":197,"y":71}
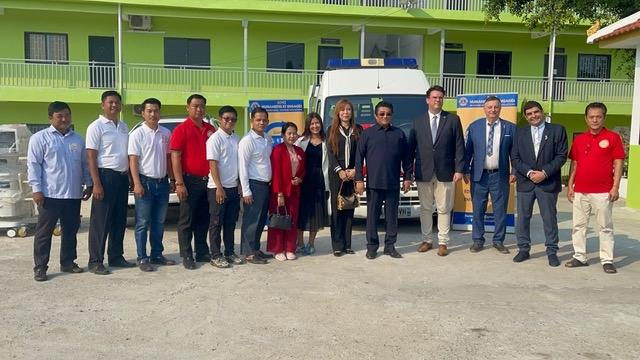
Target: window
{"x":494,"y":63}
{"x":187,"y":53}
{"x":594,"y":66}
{"x":43,"y":47}
{"x":289,"y":56}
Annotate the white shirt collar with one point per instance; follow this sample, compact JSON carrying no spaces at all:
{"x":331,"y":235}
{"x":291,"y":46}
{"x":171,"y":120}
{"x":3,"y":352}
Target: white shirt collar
{"x":497,"y":122}
{"x":431,"y":115}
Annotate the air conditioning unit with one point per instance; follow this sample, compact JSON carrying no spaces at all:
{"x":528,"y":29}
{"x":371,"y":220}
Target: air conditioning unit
{"x":139,"y":22}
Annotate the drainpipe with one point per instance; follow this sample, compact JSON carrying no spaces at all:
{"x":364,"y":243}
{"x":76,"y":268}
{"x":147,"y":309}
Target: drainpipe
{"x":245,"y":68}
{"x":120,"y":87}
{"x":550,"y":72}
{"x":442,"y":42}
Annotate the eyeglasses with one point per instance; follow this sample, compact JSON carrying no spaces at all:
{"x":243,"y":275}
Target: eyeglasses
{"x":229,"y":119}
{"x":385,"y":114}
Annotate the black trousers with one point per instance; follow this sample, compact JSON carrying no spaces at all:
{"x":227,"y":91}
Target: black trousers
{"x":341,"y":227}
{"x":193,"y":220}
{"x":223,"y":216}
{"x":109,"y":218}
{"x":391,"y":199}
{"x":68,"y":212}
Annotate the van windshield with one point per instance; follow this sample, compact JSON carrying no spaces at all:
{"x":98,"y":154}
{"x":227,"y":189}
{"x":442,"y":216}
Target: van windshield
{"x":406,"y":108}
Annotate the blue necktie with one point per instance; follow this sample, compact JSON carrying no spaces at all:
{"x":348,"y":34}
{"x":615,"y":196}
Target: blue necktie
{"x":490,"y":140}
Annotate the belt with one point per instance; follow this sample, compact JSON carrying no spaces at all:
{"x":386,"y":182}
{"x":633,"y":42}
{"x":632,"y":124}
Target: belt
{"x":202,"y":178}
{"x":114,"y":171}
{"x":147,"y":178}
{"x":260,"y":182}
{"x":491,"y":171}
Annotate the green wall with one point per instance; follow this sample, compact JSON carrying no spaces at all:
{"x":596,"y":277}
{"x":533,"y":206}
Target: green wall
{"x":633,"y":197}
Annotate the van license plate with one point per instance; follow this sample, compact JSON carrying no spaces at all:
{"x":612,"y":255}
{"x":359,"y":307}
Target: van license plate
{"x":404,"y":211}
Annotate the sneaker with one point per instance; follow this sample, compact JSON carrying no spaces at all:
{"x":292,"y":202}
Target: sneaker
{"x":281,"y":256}
{"x":40,"y":273}
{"x":291,"y":256}
{"x":220,"y":262}
{"x":310,"y":250}
{"x":301,"y":250}
{"x":235,"y":259}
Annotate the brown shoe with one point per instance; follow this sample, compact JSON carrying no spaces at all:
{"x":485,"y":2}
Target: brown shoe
{"x":425,"y":246}
{"x":442,"y":250}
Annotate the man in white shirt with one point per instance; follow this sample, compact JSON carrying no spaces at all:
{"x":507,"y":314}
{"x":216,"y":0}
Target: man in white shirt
{"x":222,"y":189}
{"x":149,"y":157}
{"x":59,"y":177}
{"x":107,"y":141}
{"x":254,"y":167}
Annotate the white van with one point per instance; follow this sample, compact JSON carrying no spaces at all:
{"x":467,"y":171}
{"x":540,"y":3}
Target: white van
{"x":365,"y":82}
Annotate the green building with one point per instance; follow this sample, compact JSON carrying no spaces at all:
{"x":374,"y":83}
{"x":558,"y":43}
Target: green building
{"x":232,"y":51}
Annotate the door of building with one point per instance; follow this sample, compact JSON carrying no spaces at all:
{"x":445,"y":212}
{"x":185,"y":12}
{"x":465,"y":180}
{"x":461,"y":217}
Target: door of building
{"x":559,"y":77}
{"x":454,"y":69}
{"x":102,"y":69}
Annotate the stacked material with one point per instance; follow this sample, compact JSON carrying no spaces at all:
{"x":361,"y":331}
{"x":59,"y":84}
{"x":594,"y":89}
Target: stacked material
{"x":16,"y":206}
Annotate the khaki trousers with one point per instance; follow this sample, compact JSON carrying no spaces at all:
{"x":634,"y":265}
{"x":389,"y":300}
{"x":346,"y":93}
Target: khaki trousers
{"x":442,"y":193}
{"x":583,"y":206}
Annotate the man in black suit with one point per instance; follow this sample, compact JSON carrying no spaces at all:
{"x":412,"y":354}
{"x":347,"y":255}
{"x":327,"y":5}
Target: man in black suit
{"x":436,"y":143}
{"x":538,"y":153}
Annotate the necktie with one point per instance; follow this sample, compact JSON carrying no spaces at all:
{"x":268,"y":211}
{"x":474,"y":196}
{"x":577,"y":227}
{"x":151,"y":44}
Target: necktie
{"x":490,"y":140}
{"x":536,"y":141}
{"x":434,"y":128}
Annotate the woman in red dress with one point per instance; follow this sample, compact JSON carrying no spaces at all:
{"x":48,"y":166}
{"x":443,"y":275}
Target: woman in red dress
{"x":287,"y":162}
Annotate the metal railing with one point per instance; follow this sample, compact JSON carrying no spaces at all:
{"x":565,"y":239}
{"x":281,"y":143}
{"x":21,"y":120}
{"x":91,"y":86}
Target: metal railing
{"x":267,"y":82}
{"x":455,"y":5}
{"x":564,"y":89}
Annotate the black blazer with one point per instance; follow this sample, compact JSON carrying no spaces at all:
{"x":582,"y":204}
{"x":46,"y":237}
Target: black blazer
{"x":444,"y":157}
{"x":551,"y":156}
{"x":337,"y":160}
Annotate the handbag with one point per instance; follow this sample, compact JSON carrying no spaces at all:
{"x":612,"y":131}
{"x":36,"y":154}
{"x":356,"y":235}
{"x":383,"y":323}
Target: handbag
{"x":280,"y":221}
{"x":347,"y":202}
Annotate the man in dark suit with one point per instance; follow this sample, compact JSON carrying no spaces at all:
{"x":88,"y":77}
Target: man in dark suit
{"x":487,"y":151}
{"x":384,"y":149}
{"x":539,"y":151}
{"x":436,"y":143}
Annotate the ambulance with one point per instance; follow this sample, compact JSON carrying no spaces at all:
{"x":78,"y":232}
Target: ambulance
{"x":365,"y":82}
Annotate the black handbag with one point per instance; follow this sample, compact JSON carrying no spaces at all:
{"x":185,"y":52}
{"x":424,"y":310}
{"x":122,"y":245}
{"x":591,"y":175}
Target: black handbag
{"x":280,"y":221}
{"x":347,"y":202}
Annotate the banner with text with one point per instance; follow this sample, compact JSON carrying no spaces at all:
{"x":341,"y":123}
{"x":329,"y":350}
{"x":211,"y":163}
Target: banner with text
{"x":281,"y":112}
{"x":470,"y":108}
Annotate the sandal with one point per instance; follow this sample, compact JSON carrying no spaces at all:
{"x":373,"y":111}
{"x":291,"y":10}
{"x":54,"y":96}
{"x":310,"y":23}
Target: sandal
{"x":291,"y":256}
{"x":573,"y":263}
{"x":281,"y":257}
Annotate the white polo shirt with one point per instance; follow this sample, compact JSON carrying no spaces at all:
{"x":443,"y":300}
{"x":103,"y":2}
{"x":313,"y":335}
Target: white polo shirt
{"x":151,"y":147}
{"x":223,"y":148}
{"x":254,"y":159}
{"x":111,"y":142}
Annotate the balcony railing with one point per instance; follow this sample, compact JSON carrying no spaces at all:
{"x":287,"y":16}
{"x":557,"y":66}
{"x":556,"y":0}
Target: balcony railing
{"x":270,"y":82}
{"x":564,"y":89}
{"x":456,"y":5}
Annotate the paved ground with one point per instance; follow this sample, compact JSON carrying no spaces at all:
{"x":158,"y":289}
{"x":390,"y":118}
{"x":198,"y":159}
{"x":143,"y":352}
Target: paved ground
{"x":464,"y":306}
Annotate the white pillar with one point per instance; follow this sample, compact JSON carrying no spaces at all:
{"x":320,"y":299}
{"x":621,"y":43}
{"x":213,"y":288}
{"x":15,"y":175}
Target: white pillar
{"x":550,"y":74}
{"x":362,"y":36}
{"x":120,"y":87}
{"x":634,"y":138}
{"x":245,"y":68}
{"x":442,"y":43}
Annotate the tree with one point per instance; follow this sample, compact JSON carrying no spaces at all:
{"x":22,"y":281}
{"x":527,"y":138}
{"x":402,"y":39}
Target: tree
{"x":549,"y":15}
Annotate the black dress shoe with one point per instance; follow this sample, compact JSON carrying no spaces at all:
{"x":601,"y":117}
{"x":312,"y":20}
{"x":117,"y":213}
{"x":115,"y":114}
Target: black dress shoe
{"x":521,"y":256}
{"x":121,"y":263}
{"x":573,"y":263}
{"x":349,"y":251}
{"x":371,"y":254}
{"x":264,"y":255}
{"x":338,"y":253}
{"x":146,"y":266}
{"x":72,"y":268}
{"x":392,"y":252}
{"x":476,"y":247}
{"x":203,"y":258}
{"x":256,"y":259}
{"x":501,"y":248}
{"x":553,"y":260}
{"x":188,"y":263}
{"x":40,"y":273}
{"x":609,"y":268}
{"x":100,"y":270}
{"x":161,"y":260}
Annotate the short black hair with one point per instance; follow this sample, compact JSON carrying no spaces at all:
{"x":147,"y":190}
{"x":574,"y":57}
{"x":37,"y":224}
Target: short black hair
{"x":436,"y":88}
{"x":151,"y":101}
{"x":108,"y":93}
{"x":257,"y":110}
{"x":288,"y":125}
{"x":492,"y":98}
{"x":596,"y":105}
{"x":530,"y":105}
{"x":227,"y":109}
{"x":196,"y":96}
{"x":383,"y":104}
{"x":58,"y":106}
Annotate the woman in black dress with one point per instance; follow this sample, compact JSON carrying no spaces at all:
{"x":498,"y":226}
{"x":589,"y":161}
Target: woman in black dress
{"x":314,"y":192}
{"x":341,"y":146}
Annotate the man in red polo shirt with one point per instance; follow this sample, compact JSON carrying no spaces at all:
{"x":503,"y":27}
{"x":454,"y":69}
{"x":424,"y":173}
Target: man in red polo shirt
{"x":191,"y":169}
{"x":596,"y":168}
